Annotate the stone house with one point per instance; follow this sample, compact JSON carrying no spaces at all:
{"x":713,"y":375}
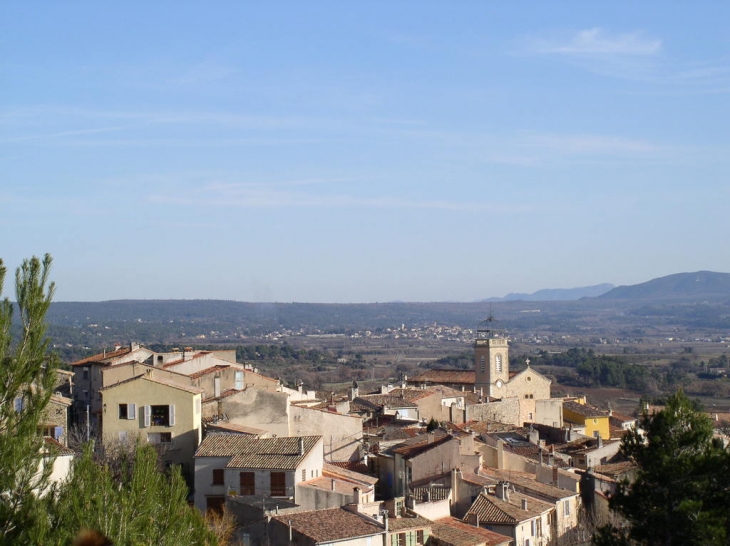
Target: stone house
{"x":237,"y":464}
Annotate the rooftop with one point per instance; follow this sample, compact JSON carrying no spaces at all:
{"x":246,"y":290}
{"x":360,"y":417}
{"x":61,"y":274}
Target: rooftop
{"x":492,"y":509}
{"x":248,"y":452}
{"x":465,"y":377}
{"x":330,"y":525}
{"x":453,"y":532}
{"x":586,"y":410}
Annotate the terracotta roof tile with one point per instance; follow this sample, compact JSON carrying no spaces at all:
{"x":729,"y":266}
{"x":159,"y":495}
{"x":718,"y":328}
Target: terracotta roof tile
{"x":466,"y":377}
{"x":452,"y":532}
{"x":101,"y":357}
{"x":491,"y":509}
{"x":249,"y":452}
{"x":586,"y":410}
{"x":334,"y":524}
{"x":57,"y":447}
{"x":397,"y":525}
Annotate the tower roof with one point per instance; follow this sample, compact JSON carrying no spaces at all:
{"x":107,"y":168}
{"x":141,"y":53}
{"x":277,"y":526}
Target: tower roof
{"x":490,"y":328}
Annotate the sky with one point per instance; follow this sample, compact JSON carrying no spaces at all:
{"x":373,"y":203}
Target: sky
{"x":362,"y":151}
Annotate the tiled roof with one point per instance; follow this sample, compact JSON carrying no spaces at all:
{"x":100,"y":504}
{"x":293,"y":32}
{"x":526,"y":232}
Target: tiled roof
{"x":586,"y":410}
{"x":151,"y":378}
{"x":330,"y":525}
{"x":225,"y":394}
{"x":493,"y":510}
{"x":466,"y":377}
{"x":377,"y":401}
{"x":56,"y":447}
{"x":397,"y":525}
{"x":421,"y":443}
{"x":352,"y":466}
{"x":101,"y":357}
{"x":528,"y":483}
{"x":615,"y":470}
{"x":452,"y":532}
{"x":248,"y":452}
{"x":335,"y":470}
{"x":432,"y":493}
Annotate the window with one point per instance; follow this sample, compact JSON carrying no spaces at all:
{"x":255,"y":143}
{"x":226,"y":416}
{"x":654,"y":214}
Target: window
{"x":401,"y":539}
{"x":533,"y":527}
{"x":247,"y":483}
{"x":217,"y":476}
{"x":163,"y":416}
{"x":86,"y":373}
{"x":529,"y":416}
{"x":419,"y":537}
{"x":127,"y":411}
{"x":566,"y":508}
{"x":304,"y":474}
{"x":484,"y":366}
{"x":278,"y":484}
{"x":159,"y":437}
{"x":498,"y":362}
{"x":18,"y":404}
{"x":239,"y":380}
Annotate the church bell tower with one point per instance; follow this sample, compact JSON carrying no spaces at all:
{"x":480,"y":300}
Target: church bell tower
{"x":491,"y":358}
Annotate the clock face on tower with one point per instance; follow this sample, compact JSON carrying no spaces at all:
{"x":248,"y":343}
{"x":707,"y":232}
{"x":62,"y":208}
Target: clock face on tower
{"x":499,"y":383}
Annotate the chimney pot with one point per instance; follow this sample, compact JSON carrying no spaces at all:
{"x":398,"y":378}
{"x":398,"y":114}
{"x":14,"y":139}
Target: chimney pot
{"x":301,"y":446}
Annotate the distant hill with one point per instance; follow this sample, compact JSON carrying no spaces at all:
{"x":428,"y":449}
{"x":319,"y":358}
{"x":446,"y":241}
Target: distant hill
{"x":558,"y":294}
{"x":681,"y":286}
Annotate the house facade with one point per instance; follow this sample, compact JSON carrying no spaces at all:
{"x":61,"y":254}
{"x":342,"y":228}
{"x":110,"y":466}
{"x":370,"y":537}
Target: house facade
{"x":242,"y":465}
{"x":158,"y":412}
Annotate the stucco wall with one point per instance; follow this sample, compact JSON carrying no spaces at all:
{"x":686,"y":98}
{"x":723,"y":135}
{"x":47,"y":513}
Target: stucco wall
{"x":528,"y":384}
{"x":256,"y":408}
{"x":505,"y":411}
{"x":141,"y":392}
{"x":341,"y":433}
{"x":549,"y":412}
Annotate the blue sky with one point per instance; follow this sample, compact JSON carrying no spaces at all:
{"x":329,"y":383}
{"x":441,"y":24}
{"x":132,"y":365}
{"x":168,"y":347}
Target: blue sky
{"x":361,"y":152}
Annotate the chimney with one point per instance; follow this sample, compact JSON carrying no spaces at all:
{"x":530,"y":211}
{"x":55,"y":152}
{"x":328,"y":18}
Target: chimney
{"x":217,"y":386}
{"x":431,"y":437}
{"x":333,"y":484}
{"x":600,"y":441}
{"x":301,"y":446}
{"x":524,"y":504}
{"x":503,"y":491}
{"x":290,"y":533}
{"x":355,"y":491}
{"x":385,"y":520}
{"x":476,"y":522}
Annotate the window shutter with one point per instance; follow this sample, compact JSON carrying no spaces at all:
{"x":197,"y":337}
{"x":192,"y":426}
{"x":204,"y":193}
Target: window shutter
{"x":131,"y":411}
{"x":172,"y":415}
{"x":147,"y":415}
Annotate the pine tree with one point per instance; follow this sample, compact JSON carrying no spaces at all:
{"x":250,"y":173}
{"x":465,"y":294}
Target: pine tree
{"x":27,"y":378}
{"x":681,"y":491}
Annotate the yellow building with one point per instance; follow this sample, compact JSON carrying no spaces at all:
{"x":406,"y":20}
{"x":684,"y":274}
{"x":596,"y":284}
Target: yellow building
{"x":579,"y":412}
{"x":157,"y":411}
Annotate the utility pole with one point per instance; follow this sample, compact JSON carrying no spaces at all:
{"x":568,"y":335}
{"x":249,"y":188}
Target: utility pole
{"x":88,"y":425}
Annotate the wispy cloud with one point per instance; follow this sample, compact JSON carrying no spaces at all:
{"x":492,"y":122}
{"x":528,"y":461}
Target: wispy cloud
{"x":255,"y":196}
{"x":596,"y":41}
{"x":633,"y":56}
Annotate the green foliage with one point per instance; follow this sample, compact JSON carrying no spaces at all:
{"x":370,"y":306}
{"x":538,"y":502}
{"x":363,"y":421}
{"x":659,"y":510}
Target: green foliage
{"x":462,"y":361}
{"x":131,"y":502}
{"x":27,"y":377}
{"x":433,"y":424}
{"x":682,"y":487}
